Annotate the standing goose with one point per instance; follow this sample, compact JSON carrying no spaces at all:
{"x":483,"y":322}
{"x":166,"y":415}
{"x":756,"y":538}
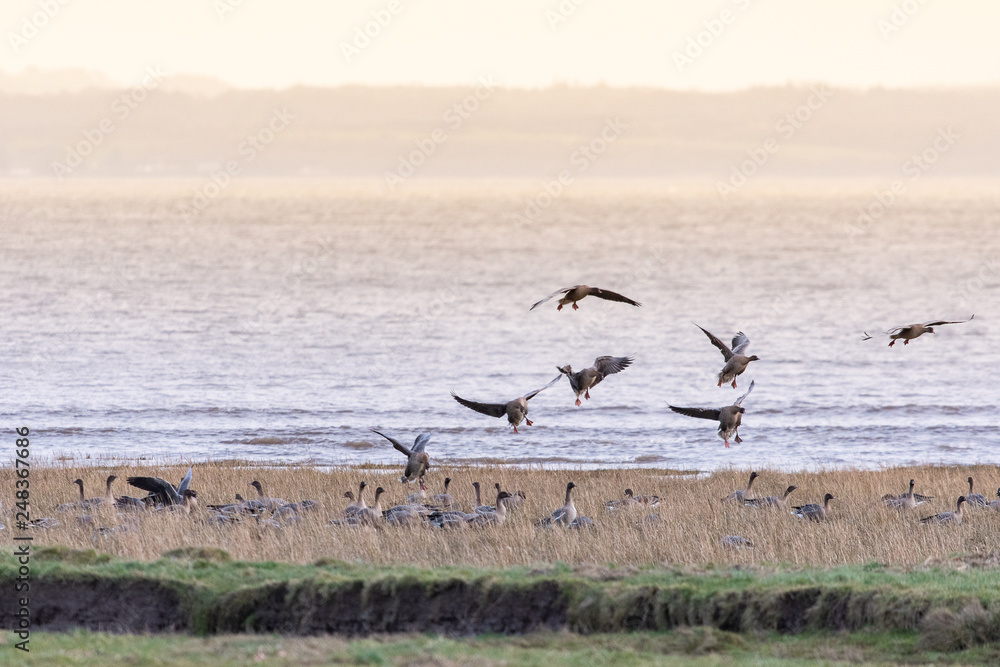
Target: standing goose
{"x":162,"y":491}
{"x":742,"y":494}
{"x":480,"y":507}
{"x":770,"y":501}
{"x":494,"y":518}
{"x":417,"y":460}
{"x":911,"y":331}
{"x":516,"y":411}
{"x":976,"y":499}
{"x":814,"y":512}
{"x":907,"y":501}
{"x":729,"y":417}
{"x":355,"y":508}
{"x":566,"y":514}
{"x":444,"y":499}
{"x":948,"y":517}
{"x":736,"y":361}
{"x":577,"y":292}
{"x":581,"y":382}
{"x":371,"y":515}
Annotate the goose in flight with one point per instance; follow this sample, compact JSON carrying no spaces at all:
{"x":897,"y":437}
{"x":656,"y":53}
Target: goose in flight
{"x":418,"y":461}
{"x":577,"y":292}
{"x":162,"y":490}
{"x":911,"y":331}
{"x":729,"y":417}
{"x":516,"y":410}
{"x":736,"y":361}
{"x":581,"y":382}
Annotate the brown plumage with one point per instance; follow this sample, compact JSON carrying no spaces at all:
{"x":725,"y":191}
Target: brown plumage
{"x":578,"y":292}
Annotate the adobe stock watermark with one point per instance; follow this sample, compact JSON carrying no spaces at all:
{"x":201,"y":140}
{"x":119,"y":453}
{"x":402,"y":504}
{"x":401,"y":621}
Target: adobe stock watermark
{"x":581,"y":158}
{"x":33,"y":24}
{"x":454,"y":117}
{"x":365,"y":34}
{"x":247,"y":151}
{"x":967,"y":291}
{"x":899,"y":16}
{"x":786,"y":127}
{"x":224,"y":7}
{"x":712,"y":30}
{"x":562,"y":12}
{"x":121,"y":108}
{"x":913,"y":168}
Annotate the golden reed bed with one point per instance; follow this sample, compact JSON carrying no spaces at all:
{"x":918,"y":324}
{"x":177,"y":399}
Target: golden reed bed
{"x":693,"y":519}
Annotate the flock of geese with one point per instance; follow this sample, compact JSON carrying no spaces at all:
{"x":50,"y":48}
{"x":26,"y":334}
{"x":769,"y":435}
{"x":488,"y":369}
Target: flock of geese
{"x":442,"y":511}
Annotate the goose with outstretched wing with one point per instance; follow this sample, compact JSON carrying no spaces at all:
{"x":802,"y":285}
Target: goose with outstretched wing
{"x":577,"y":292}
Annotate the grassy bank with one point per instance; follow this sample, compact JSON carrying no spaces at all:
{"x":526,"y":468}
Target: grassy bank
{"x":691,"y":519}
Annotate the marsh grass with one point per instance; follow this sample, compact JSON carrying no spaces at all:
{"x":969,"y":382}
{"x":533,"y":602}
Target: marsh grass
{"x":692,"y":518}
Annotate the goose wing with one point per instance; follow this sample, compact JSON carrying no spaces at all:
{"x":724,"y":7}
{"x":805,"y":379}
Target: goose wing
{"x":611,"y":296}
{"x":553,"y":295}
{"x":740,"y":399}
{"x":162,"y":489}
{"x":610,"y":365}
{"x":740,"y":343}
{"x":532,"y":394}
{"x":403,"y":449}
{"x":421,"y":442}
{"x":491,"y":409}
{"x":185,"y":483}
{"x":938,"y":323}
{"x":699,"y":413}
{"x":726,"y":352}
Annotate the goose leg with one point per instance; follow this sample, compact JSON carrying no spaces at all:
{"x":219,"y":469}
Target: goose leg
{"x":738,"y":439}
{"x":528,"y":421}
{"x":892,"y":342}
{"x":586,"y":395}
{"x":559,"y":307}
{"x":727,"y":444}
{"x":734,"y":383}
{"x":575,"y":307}
{"x":578,"y":400}
{"x":515,"y":429}
{"x":906,"y":342}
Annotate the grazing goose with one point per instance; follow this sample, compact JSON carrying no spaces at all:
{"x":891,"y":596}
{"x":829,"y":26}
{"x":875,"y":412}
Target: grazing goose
{"x":566,"y":514}
{"x":494,"y":518}
{"x":905,"y":501}
{"x":419,"y":497}
{"x":577,"y":292}
{"x":161,"y":491}
{"x":948,"y":517}
{"x":742,"y":494}
{"x":729,"y":417}
{"x":516,"y":411}
{"x":736,"y":542}
{"x":770,"y":501}
{"x":373,"y":514}
{"x":736,"y":361}
{"x":622,"y":503}
{"x":581,"y":382}
{"x":417,"y":460}
{"x":976,"y":499}
{"x":403,"y":515}
{"x":911,"y":331}
{"x":814,"y":512}
{"x":444,"y":499}
{"x":270,"y":504}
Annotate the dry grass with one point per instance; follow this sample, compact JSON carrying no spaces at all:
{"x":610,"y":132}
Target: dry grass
{"x":860,"y":531}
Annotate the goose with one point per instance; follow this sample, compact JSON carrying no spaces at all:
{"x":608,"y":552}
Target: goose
{"x":189,"y":502}
{"x":417,"y":460}
{"x":907,"y":501}
{"x":651,"y":501}
{"x":911,"y":331}
{"x":814,"y":512}
{"x":577,"y":292}
{"x":628,"y":501}
{"x":444,"y":499}
{"x":995,"y":504}
{"x":948,"y":517}
{"x":162,"y":491}
{"x":515,"y":499}
{"x":976,"y":499}
{"x":742,"y":494}
{"x":403,"y":515}
{"x":480,"y":507}
{"x":736,"y":361}
{"x":729,"y":417}
{"x":353,"y":507}
{"x":454,"y":519}
{"x":581,"y":382}
{"x":566,"y":514}
{"x":736,"y":542}
{"x":494,"y":518}
{"x":582,"y":523}
{"x":90,"y":503}
{"x":770,"y":501}
{"x":372,"y":514}
{"x":419,"y":497}
{"x":270,"y":504}
{"x":516,"y":410}
{"x":81,"y":503}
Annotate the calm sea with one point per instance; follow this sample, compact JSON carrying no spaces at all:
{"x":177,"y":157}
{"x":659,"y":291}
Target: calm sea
{"x":287,"y":319}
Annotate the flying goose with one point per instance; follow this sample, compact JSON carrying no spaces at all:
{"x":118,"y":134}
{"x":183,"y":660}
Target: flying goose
{"x":908,"y":500}
{"x":444,"y":499}
{"x":566,"y":514}
{"x":729,"y":417}
{"x":515,"y":411}
{"x":911,"y":331}
{"x":581,"y":382}
{"x":742,"y":494}
{"x":770,"y":501}
{"x":417,"y":460}
{"x":814,"y":512}
{"x":948,"y":517}
{"x":577,"y":292}
{"x":976,"y":499}
{"x":736,"y":361}
{"x":162,"y":491}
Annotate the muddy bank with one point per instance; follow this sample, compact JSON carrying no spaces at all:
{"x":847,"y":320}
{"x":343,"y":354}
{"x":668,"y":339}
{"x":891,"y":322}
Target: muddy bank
{"x":329,"y":604}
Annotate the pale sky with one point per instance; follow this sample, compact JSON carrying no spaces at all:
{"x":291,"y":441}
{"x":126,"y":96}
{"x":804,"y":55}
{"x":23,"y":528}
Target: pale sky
{"x":265,"y":43}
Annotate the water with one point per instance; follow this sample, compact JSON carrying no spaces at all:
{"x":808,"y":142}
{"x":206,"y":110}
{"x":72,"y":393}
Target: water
{"x":289,"y":318}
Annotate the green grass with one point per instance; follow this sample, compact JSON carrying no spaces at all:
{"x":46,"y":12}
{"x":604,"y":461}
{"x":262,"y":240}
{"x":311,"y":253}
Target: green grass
{"x":686,"y":646}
